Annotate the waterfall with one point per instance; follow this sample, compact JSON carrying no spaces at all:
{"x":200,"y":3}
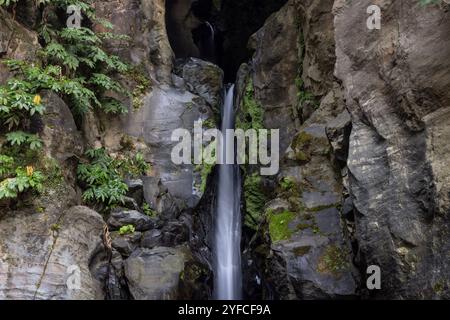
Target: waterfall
{"x":211,"y":30}
{"x":210,"y":45}
{"x":228,"y":282}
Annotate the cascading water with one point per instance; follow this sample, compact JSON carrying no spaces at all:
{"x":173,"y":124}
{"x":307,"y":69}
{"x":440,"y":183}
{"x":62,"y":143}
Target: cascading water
{"x":228,"y":282}
{"x":210,"y":51}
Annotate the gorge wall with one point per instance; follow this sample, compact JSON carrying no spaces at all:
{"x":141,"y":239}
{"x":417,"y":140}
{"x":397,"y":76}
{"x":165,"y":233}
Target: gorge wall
{"x":364,"y":138}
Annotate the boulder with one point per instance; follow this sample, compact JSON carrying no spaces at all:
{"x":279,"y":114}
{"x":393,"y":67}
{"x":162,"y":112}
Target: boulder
{"x":107,"y":268}
{"x":121,"y":217}
{"x":204,"y":79}
{"x":47,"y":255}
{"x":58,"y":129}
{"x":151,"y":239}
{"x":155,"y":274}
{"x":125,"y":244}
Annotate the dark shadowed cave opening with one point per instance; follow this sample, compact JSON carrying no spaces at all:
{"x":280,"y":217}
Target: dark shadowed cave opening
{"x":189,"y":24}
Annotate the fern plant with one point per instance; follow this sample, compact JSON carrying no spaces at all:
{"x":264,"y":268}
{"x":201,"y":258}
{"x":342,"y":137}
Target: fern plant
{"x":74,"y":66}
{"x":24,"y":179}
{"x":104,"y":176}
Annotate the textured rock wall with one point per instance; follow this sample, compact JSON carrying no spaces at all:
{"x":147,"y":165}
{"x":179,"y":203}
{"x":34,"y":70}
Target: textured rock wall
{"x":364,"y":177}
{"x":306,"y":252}
{"x":396,"y":84}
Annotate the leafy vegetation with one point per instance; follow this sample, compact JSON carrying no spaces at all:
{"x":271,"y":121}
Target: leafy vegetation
{"x":104,"y":176}
{"x":129,"y":229}
{"x":287,"y":183}
{"x":19,"y":181}
{"x":73,"y":65}
{"x":254,"y":201}
{"x":252,"y":112}
{"x":148,"y":210}
{"x":142,"y":84}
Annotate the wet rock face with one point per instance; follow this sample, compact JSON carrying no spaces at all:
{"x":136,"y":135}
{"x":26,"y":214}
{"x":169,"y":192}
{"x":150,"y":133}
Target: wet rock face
{"x":304,"y":252}
{"x":58,"y":129}
{"x":42,"y":252}
{"x":144,"y":22}
{"x":396,"y":83}
{"x":122,"y":217}
{"x":204,"y":79}
{"x":16,"y":42}
{"x":155,"y":274}
{"x":275,"y":71}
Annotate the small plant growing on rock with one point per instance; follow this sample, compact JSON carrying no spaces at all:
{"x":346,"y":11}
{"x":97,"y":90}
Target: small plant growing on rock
{"x":287,"y":184}
{"x":148,"y":210}
{"x":22,"y":180}
{"x":129,"y":229}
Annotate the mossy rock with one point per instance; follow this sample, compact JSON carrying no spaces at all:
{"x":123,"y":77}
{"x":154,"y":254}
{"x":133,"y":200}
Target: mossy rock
{"x":279,"y":225}
{"x":254,"y":201}
{"x":252,"y":113}
{"x":301,"y":251}
{"x":334,"y":261}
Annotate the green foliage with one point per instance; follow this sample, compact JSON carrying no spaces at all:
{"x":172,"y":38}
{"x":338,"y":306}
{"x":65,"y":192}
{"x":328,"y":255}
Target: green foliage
{"x":207,"y":166}
{"x":142,"y":84}
{"x":254,"y":201}
{"x":23,"y":180}
{"x":279,"y":225}
{"x":7,"y":3}
{"x":303,"y":96}
{"x":73,"y":65}
{"x":148,"y":210}
{"x":287,"y":184}
{"x":104,"y":175}
{"x":129,"y":229}
{"x":19,"y":138}
{"x":252,"y":112}
{"x":88,"y":68}
{"x":6,"y":165}
{"x":102,"y":178}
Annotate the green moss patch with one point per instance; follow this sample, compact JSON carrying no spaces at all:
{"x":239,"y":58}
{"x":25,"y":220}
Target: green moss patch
{"x":142,"y":85}
{"x":279,"y":225}
{"x":252,"y":113}
{"x":333,"y":261}
{"x":254,"y":201}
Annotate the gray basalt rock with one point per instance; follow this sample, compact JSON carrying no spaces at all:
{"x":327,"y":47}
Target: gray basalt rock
{"x":16,"y":42}
{"x":396,"y":83}
{"x":204,"y":79}
{"x":275,"y":71}
{"x":144,"y":22}
{"x":125,"y":244}
{"x":171,"y":187}
{"x":338,"y":132}
{"x":41,"y":253}
{"x":151,"y":239}
{"x":122,"y":217}
{"x":58,"y":129}
{"x":303,"y":248}
{"x":155,"y":274}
